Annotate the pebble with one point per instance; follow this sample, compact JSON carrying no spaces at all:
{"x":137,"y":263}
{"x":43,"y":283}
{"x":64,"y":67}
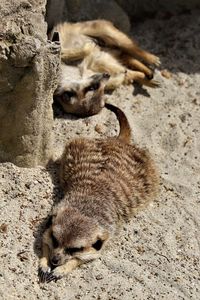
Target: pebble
{"x":165,"y":73}
{"x":99,"y":128}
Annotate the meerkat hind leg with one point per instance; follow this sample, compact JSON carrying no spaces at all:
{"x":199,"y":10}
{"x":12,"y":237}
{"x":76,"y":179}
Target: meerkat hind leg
{"x":128,"y":78}
{"x":113,"y":37}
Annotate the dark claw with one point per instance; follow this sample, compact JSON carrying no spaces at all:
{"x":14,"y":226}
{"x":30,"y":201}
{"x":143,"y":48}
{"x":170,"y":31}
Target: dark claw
{"x":42,"y":275}
{"x":59,"y":277}
{"x":152,"y":68}
{"x":149,"y":76}
{"x":52,"y":277}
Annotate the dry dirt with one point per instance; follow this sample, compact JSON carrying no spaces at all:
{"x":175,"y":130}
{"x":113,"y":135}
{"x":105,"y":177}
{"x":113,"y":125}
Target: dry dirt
{"x":156,"y":255}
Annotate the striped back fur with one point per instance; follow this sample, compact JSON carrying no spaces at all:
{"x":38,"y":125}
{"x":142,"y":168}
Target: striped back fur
{"x":108,"y":179}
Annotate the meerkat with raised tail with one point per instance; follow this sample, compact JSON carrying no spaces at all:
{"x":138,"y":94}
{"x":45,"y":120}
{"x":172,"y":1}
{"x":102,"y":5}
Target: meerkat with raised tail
{"x":91,"y":49}
{"x":105,"y":181}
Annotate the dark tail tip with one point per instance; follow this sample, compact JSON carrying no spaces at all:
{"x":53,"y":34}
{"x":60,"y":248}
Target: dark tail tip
{"x":125,"y":129}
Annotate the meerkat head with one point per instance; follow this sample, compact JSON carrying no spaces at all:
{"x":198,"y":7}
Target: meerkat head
{"x":82,"y":97}
{"x":74,"y":235}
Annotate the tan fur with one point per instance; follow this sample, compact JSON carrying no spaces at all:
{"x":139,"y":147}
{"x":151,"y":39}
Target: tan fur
{"x":105,"y":181}
{"x":93,"y":48}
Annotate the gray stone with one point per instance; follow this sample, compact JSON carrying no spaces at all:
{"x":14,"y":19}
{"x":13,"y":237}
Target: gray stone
{"x":28,"y":78}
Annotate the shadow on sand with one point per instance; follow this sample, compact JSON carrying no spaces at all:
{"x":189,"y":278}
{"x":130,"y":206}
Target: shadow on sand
{"x":175,"y":39}
{"x":53,"y":169}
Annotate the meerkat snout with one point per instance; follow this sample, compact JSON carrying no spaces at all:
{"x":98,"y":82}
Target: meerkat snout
{"x":55,"y":260}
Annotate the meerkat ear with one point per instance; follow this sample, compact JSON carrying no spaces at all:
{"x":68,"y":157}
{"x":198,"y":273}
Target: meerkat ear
{"x":56,"y":37}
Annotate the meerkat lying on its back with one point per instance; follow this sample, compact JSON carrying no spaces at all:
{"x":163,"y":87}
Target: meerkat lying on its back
{"x":105,"y":181}
{"x":91,"y":49}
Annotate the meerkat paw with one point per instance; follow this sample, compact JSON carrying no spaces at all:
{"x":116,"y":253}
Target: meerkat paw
{"x":88,"y":48}
{"x":55,"y":274}
{"x":153,"y":83}
{"x":61,"y":271}
{"x":128,"y":78}
{"x":155,"y":60}
{"x":44,"y":269}
{"x":43,"y":273}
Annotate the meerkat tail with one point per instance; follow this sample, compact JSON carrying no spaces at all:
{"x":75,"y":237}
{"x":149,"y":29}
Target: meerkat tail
{"x":125,"y":129}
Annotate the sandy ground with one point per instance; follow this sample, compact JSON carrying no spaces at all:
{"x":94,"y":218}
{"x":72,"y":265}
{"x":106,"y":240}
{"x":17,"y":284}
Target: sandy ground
{"x":156,"y":255}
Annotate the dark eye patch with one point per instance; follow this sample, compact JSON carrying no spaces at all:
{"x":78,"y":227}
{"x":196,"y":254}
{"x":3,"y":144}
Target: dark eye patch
{"x":71,"y":251}
{"x":67,"y":95}
{"x":92,"y":87}
{"x":97,"y":245}
{"x":54,"y":241}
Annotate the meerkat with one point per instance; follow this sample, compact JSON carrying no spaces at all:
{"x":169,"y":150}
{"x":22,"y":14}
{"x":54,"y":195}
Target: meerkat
{"x":105,"y":181}
{"x":89,"y":50}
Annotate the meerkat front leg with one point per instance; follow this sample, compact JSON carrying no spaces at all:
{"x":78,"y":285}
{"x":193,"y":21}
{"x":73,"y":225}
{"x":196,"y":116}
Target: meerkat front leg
{"x":131,"y":76}
{"x":128,"y":77}
{"x":115,"y":81}
{"x":135,"y":64}
{"x":61,"y":271}
{"x":44,"y":268}
{"x":106,"y":63}
{"x":119,"y":74}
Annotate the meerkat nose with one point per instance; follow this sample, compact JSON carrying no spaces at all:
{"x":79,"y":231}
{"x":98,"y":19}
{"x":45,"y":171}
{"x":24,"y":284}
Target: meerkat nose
{"x":55,"y":260}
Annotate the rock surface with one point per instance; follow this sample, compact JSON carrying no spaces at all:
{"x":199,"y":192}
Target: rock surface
{"x":28,"y":78}
{"x":157,"y":255}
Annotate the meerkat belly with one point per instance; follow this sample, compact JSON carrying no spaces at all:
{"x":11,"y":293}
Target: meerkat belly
{"x":70,"y":36}
{"x":74,"y":41}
